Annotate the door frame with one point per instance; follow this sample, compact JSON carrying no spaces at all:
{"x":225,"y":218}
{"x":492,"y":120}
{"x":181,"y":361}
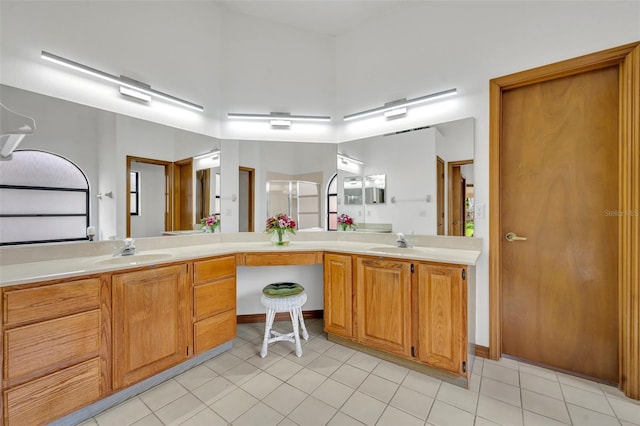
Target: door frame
{"x":450,"y":200}
{"x":251,"y":198}
{"x":627,"y":58}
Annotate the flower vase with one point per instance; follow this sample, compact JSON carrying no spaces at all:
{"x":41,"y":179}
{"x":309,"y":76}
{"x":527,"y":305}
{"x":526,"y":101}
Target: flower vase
{"x":280,"y":238}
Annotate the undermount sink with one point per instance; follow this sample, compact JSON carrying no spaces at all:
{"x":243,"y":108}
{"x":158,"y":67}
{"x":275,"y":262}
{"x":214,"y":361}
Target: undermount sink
{"x":135,"y":259}
{"x":402,"y":250}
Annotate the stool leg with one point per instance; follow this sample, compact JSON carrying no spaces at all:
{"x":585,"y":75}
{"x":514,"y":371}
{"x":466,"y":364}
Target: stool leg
{"x":271,"y":313}
{"x":294,"y":320}
{"x":305,"y":335}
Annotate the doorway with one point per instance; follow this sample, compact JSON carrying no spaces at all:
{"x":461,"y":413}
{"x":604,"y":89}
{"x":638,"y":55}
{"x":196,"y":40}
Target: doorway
{"x":440,"y":195}
{"x":246,"y":177}
{"x":562,"y":141}
{"x":148,"y":202}
{"x":457,"y":198}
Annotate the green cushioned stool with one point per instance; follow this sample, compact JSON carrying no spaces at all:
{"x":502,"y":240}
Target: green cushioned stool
{"x":283,"y":297}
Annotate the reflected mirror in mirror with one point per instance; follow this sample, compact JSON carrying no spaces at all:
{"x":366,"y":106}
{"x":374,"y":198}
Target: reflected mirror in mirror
{"x":352,"y":190}
{"x":374,"y":189}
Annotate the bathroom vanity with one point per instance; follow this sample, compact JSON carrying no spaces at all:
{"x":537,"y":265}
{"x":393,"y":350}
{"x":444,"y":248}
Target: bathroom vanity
{"x":81,"y":330}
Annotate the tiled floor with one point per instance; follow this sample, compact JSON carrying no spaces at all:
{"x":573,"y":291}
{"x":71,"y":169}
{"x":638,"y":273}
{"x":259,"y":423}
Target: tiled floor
{"x":334,"y":385}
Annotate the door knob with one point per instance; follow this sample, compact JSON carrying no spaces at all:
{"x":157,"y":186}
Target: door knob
{"x":511,"y":237}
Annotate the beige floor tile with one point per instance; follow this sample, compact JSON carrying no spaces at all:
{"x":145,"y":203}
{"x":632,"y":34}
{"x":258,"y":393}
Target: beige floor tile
{"x":234,"y":404}
{"x":283,"y":369}
{"x":306,"y":380}
{"x":149,"y":420}
{"x":538,"y":371}
{"x":259,"y":415}
{"x":180,"y":410}
{"x":394,"y":417}
{"x":587,"y":399}
{"x":503,"y":362}
{"x":196,"y":377}
{"x":324,"y":365}
{"x":626,"y":423}
{"x":163,"y":394}
{"x":312,"y":412}
{"x":390,"y":371}
{"x":363,"y":408}
{"x":89,"y":422}
{"x":349,"y":375}
{"x":474,"y":383}
{"x":501,"y":374}
{"x":339,"y":352}
{"x":205,"y":417}
{"x":500,"y":391}
{"x":533,"y":419}
{"x":545,"y":405}
{"x":579,"y":383}
{"x":458,"y":397}
{"x":627,"y":410}
{"x":341,"y":419}
{"x":422,"y":383}
{"x":379,"y":388}
{"x":245,"y":351}
{"x":123,"y":414}
{"x":287,"y":422}
{"x":308,"y":355}
{"x":241,"y":373}
{"x":498,"y":411}
{"x":333,"y":393}
{"x":261,"y":385}
{"x":363,"y":361}
{"x":223,"y":362}
{"x":285,"y":398}
{"x":213,"y":390}
{"x":584,"y":417}
{"x":484,"y":422}
{"x":477,"y":366}
{"x":318,"y":344}
{"x":541,"y":385}
{"x":264,"y":363}
{"x":415,"y":403}
{"x":447,"y":415}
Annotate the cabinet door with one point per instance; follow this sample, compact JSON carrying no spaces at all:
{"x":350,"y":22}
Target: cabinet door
{"x":151,"y":322}
{"x":383,"y":304}
{"x":442,"y":316}
{"x":338,"y":296}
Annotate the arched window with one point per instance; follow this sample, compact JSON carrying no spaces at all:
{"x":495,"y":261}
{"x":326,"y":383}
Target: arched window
{"x":332,"y":204}
{"x":43,"y":198}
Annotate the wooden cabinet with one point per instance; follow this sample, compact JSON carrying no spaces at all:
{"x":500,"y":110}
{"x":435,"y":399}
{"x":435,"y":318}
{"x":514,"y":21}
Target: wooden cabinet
{"x":55,"y":352}
{"x":383,"y":304}
{"x":214,"y":302}
{"x":151,"y":322}
{"x":338,"y":294}
{"x":441,"y":316}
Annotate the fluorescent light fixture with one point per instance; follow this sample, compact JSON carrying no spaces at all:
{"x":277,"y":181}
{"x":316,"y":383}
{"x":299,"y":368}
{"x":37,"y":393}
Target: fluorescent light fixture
{"x":346,"y":159}
{"x":390,"y":106}
{"x":277,"y":116}
{"x":134,"y":94}
{"x":395,"y":113}
{"x":214,"y":154}
{"x":280,"y":123}
{"x":121,"y":80}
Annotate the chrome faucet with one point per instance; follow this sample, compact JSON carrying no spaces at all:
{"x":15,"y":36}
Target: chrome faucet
{"x":401,"y":241}
{"x":129,"y":249}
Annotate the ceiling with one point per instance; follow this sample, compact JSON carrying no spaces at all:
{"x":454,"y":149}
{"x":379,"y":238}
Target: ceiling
{"x":329,"y":17}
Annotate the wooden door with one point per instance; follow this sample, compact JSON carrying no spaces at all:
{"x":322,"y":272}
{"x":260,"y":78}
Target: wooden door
{"x":338,"y":297}
{"x":151,"y":322}
{"x":246,"y":199}
{"x":440,"y":195}
{"x":441,"y":316}
{"x":559,"y":178}
{"x":456,"y":198}
{"x":183,"y":212}
{"x":383,"y":304}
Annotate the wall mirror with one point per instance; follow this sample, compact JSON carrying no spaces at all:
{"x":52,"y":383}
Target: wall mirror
{"x":352,"y":190}
{"x":374,"y":189}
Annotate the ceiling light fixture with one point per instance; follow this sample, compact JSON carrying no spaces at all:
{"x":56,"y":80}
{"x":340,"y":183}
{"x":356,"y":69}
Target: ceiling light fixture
{"x":278,"y":116}
{"x":122,"y":81}
{"x":399,"y":104}
{"x":126,"y":91}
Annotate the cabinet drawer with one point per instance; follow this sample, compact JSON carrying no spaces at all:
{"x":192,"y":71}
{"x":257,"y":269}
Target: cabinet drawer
{"x":53,"y":343}
{"x":53,"y":396}
{"x":214,"y":298}
{"x":289,"y":258}
{"x":41,"y":303}
{"x":214,"y":331}
{"x":208,"y":270}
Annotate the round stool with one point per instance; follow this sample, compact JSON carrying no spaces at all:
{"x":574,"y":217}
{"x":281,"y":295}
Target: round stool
{"x":282,"y":297}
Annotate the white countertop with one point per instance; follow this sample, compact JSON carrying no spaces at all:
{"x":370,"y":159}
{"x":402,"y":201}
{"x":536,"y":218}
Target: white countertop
{"x":154,"y":251}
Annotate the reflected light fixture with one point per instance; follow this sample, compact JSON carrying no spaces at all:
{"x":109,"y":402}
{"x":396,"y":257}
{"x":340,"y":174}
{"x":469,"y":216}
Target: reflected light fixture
{"x":143,"y":90}
{"x":214,"y":154}
{"x":345,"y":159}
{"x":279,"y":119}
{"x":398,"y":108}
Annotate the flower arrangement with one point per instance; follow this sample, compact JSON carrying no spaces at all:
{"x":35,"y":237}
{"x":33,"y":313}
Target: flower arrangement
{"x":279,"y":225}
{"x":210,"y":223}
{"x":346,"y":222}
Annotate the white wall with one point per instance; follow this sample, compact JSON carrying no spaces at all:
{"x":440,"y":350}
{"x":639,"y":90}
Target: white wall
{"x":150,"y":221}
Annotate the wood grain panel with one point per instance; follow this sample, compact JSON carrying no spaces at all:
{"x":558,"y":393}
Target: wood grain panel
{"x":51,"y":301}
{"x":338,"y":295}
{"x":207,"y":270}
{"x":41,"y":401}
{"x":214,"y":331}
{"x":383,"y":304}
{"x":214,"y":298}
{"x":37,"y":348}
{"x":287,"y":258}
